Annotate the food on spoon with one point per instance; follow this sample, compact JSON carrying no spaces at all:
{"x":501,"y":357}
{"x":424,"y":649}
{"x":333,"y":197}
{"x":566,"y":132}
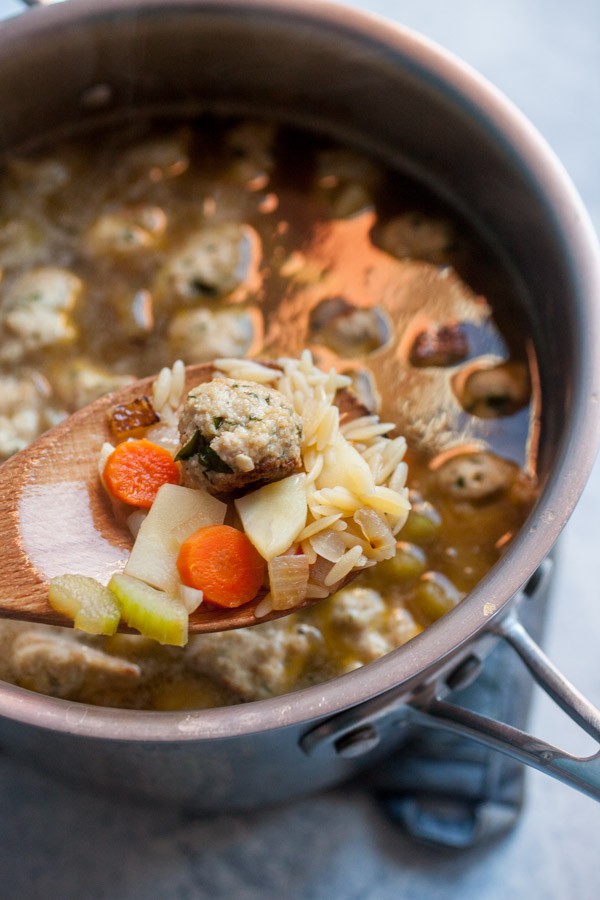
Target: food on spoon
{"x":136,"y":470}
{"x":176,"y":513}
{"x":236,"y":432}
{"x":153,"y":613}
{"x":91,"y":606}
{"x":131,"y":419}
{"x":221,"y":562}
{"x":288,"y":580}
{"x":337,"y":516}
{"x":275,"y":514}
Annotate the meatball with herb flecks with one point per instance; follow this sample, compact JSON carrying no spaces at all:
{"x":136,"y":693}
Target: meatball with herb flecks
{"x":235,"y":433}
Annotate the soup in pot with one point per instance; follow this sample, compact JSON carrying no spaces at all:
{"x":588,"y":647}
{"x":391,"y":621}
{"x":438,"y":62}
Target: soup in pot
{"x":127,"y":248}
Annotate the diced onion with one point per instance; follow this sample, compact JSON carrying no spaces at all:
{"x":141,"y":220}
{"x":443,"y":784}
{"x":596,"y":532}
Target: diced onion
{"x":319,"y":571}
{"x":190,"y":597}
{"x":134,"y":521}
{"x":105,"y":450}
{"x":288,"y":579}
{"x":264,"y":607}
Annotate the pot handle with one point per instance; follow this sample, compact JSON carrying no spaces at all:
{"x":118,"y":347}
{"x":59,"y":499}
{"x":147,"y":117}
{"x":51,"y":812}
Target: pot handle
{"x":358,"y":730}
{"x":580,"y":773}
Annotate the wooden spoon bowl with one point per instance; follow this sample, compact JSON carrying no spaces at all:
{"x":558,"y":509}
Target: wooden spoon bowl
{"x":56,"y":518}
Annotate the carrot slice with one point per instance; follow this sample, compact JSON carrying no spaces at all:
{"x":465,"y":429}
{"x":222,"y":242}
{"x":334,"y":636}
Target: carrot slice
{"x":220,"y":561}
{"x":135,"y":470}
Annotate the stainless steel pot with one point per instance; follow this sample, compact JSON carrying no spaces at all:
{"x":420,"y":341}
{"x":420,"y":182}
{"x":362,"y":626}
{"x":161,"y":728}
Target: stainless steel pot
{"x":390,"y":92}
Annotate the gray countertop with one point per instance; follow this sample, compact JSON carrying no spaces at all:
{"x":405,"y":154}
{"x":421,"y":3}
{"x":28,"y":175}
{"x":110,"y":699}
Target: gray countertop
{"x":61,"y":842}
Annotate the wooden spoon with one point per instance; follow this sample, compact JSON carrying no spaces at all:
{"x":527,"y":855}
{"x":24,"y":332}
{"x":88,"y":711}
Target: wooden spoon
{"x":55,"y":516}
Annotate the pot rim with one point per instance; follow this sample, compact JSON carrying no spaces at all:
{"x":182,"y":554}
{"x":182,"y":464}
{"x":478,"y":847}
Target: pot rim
{"x":414,"y":661}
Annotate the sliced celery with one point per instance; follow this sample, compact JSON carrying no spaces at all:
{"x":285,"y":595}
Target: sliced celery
{"x":90,"y":605}
{"x":153,"y":613}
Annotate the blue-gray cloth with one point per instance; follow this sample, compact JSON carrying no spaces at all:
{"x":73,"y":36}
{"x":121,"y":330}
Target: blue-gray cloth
{"x":448,"y":790}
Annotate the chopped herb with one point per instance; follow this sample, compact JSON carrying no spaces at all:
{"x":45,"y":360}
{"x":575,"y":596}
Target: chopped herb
{"x":190,"y":448}
{"x":218,"y":421}
{"x":254,"y":419}
{"x":211,"y":461}
{"x":200,"y":447}
{"x":268,"y":399}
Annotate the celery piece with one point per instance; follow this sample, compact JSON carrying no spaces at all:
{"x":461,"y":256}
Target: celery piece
{"x":90,"y":605}
{"x":435,"y":595}
{"x":153,"y":613}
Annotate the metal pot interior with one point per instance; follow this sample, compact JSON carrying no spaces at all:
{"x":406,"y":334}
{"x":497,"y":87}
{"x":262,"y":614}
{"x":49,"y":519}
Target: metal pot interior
{"x":391,"y":94}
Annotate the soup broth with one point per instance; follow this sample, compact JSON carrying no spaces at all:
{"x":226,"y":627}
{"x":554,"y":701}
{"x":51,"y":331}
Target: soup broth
{"x":125,"y":249}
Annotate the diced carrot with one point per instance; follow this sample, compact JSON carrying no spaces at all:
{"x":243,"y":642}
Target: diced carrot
{"x":220,"y":561}
{"x":135,"y":470}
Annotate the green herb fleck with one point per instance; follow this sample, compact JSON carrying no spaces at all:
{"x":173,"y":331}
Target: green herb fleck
{"x":200,"y":447}
{"x":211,"y":461}
{"x":190,"y":448}
{"x":218,"y":421}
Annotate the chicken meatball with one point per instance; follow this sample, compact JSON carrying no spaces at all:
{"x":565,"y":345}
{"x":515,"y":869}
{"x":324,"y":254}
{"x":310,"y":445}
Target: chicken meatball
{"x":476,"y":476}
{"x":234,"y":433}
{"x":36,"y":312}
{"x":212,"y":262}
